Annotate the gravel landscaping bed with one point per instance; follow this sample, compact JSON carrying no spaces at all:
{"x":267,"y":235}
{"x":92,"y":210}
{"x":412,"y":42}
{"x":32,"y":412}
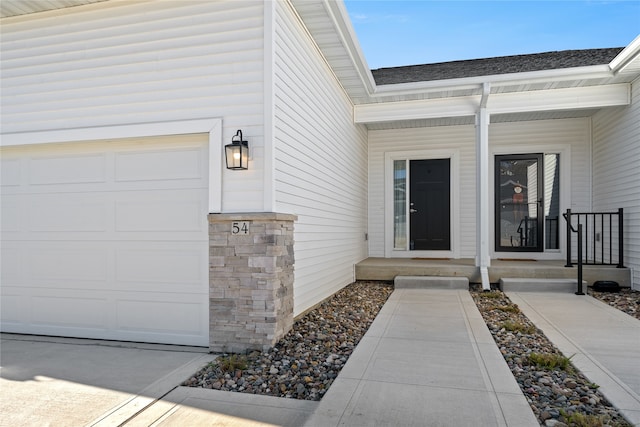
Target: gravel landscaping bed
{"x":626,"y":300}
{"x":557,"y":392}
{"x":305,"y":362}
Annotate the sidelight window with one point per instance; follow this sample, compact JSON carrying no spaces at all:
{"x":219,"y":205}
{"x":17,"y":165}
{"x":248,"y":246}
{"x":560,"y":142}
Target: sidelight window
{"x":400,"y":204}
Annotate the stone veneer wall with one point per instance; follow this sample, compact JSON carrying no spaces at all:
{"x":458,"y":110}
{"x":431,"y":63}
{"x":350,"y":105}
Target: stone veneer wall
{"x":250,"y":280}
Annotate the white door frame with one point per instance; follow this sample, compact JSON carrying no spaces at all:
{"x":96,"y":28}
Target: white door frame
{"x":389,"y":158}
{"x":564,"y":150}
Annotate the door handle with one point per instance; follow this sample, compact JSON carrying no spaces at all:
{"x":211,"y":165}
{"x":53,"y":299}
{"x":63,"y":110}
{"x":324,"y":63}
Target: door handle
{"x":413,"y":210}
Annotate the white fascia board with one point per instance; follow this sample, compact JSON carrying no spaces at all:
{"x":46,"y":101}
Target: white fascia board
{"x":498,"y":103}
{"x":413,"y":110}
{"x":340,"y":17}
{"x":497,"y":80}
{"x":625,"y":57}
{"x":561,"y":99}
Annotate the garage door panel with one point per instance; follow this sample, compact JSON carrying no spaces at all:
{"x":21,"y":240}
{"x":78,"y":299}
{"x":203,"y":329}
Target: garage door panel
{"x":107,"y":314}
{"x":70,"y":213}
{"x":107,"y":240}
{"x":130,"y":316}
{"x":181,"y":211}
{"x":159,"y":165}
{"x":170,"y":317}
{"x":70,"y":311}
{"x":68,"y":169}
{"x":167,"y":270}
{"x":55,"y":265}
{"x":69,"y":264}
{"x":12,"y":212}
{"x":11,"y":261}
{"x":12,"y":305}
{"x":10,"y":172}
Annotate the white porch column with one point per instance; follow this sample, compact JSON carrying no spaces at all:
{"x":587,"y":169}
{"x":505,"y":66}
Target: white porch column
{"x":483,"y":259}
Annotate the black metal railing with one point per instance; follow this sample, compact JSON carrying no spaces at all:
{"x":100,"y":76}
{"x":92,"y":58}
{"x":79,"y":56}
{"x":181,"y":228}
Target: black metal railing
{"x":601,"y":241}
{"x":578,"y":231}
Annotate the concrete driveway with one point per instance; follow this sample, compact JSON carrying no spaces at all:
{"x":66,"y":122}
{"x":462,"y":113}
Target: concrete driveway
{"x":70,"y":382}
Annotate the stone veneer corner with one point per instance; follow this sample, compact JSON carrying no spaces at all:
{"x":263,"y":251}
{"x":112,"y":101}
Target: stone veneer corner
{"x":250,"y":280}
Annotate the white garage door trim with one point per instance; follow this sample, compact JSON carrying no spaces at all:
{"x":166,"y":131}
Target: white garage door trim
{"x":213,"y":127}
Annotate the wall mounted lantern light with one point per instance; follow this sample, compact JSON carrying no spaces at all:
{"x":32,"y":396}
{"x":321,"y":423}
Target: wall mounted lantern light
{"x":237,"y":153}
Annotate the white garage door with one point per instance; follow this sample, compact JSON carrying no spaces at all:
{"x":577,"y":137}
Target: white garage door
{"x":106,"y":240}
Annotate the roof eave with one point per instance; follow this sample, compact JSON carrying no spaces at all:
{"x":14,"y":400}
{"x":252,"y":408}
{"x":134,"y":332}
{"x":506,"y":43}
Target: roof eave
{"x":497,"y":80}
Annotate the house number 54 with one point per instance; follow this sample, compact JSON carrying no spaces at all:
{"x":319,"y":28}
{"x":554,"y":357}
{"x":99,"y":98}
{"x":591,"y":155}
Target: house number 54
{"x":240,"y":227}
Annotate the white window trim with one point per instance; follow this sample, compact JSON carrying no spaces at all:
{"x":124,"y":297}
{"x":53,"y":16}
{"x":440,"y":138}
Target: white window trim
{"x":212,"y":127}
{"x":564,"y":150}
{"x":389,"y":158}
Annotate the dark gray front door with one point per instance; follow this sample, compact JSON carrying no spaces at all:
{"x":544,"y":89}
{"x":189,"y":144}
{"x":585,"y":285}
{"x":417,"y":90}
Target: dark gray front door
{"x":519,"y":200}
{"x":429,"y":204}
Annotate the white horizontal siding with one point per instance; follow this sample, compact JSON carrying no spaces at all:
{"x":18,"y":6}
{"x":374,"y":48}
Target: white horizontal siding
{"x":320,"y":165}
{"x":440,"y":138}
{"x":616,"y":171}
{"x":129,"y":62}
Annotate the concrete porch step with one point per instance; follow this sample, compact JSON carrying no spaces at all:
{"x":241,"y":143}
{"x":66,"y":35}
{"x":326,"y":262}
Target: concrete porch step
{"x":430,"y":282}
{"x":519,"y":284}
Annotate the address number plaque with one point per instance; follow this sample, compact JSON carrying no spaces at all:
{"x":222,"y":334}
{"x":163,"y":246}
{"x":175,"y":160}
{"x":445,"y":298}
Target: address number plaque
{"x":240,"y":227}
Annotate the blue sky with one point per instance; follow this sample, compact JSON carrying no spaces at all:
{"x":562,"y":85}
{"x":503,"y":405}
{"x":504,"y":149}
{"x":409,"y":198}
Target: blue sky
{"x":395,"y":33}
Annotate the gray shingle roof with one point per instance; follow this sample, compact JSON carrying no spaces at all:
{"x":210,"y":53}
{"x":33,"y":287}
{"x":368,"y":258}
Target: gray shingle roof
{"x":493,"y":66}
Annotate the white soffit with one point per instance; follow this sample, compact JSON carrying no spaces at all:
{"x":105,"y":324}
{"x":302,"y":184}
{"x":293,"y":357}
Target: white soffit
{"x":9,"y":8}
{"x":582,"y":98}
{"x":329,"y":24}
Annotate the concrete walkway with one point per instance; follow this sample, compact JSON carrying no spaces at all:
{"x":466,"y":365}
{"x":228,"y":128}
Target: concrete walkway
{"x":604,"y":342}
{"x":427,"y":360}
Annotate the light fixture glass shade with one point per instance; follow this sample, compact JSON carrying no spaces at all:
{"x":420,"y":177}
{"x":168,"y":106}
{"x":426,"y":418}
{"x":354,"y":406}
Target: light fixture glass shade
{"x":237,"y":155}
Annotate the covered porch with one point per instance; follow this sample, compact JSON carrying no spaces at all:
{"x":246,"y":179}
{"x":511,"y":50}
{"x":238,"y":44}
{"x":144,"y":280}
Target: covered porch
{"x":388,"y":268}
{"x":466,"y":173}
